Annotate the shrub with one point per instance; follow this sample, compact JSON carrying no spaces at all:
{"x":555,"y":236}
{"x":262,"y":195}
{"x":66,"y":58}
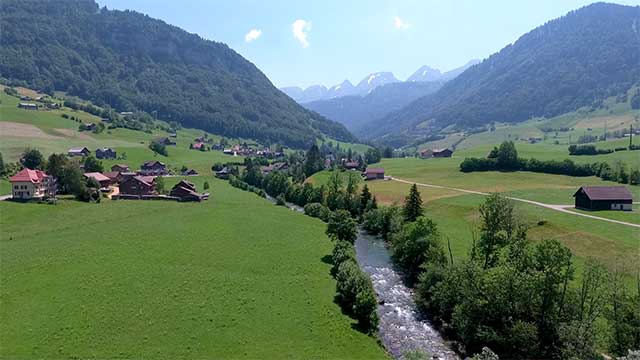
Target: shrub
{"x":317,"y":210}
{"x":280,"y":201}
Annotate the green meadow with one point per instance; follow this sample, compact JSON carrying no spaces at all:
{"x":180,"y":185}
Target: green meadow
{"x":232,"y":277}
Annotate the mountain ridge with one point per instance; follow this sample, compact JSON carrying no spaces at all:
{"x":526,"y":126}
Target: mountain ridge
{"x":130,"y":61}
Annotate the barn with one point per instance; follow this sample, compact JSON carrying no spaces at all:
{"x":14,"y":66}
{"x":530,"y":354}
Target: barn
{"x":603,"y":198}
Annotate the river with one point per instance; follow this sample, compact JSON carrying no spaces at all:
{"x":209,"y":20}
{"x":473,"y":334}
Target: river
{"x":401,"y":328}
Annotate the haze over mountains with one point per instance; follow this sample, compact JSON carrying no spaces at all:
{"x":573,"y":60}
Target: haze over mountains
{"x":368,"y":84}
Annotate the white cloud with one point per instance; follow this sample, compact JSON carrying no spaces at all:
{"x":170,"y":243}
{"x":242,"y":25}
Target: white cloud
{"x":400,"y":24}
{"x":300,"y":29}
{"x":253,"y":34}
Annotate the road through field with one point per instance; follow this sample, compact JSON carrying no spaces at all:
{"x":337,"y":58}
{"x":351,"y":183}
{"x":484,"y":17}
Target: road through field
{"x":561,"y":208}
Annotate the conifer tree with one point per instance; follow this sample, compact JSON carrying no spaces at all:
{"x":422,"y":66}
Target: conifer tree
{"x":413,"y":205}
{"x":365,"y":197}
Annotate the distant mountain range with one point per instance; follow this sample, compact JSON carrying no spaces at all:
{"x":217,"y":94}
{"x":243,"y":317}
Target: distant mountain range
{"x":369,"y":84}
{"x":569,"y":63}
{"x":129,"y":61}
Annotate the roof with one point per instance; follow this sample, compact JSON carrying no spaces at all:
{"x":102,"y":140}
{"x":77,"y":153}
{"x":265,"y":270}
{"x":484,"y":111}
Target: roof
{"x":152,"y":163}
{"x":99,"y":177}
{"x":374,"y":171}
{"x":78,"y":149}
{"x":105,"y":149}
{"x":606,"y":192}
{"x":112,"y":175}
{"x":147,"y":180}
{"x":351,"y":164}
{"x":28,"y":175}
{"x":122,"y":166}
{"x":197,"y":145}
{"x":441,"y":150}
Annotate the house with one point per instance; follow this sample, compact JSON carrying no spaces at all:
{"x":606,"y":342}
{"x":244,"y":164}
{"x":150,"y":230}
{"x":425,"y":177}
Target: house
{"x":138,"y":185}
{"x":102,"y":179}
{"x":114,"y":176}
{"x":122,"y":168}
{"x":198,"y":146}
{"x":164,"y":141}
{"x":190,"y":172}
{"x":89,"y":126}
{"x":277,"y":166}
{"x":186,"y":191}
{"x":603,"y":198}
{"x":153,"y":168}
{"x":28,"y":106}
{"x":373,"y":174}
{"x":83,"y":151}
{"x":223,"y":174}
{"x":351,"y":165}
{"x":32,"y":184}
{"x":126,"y":113}
{"x":217,"y":147}
{"x":53,"y":105}
{"x":173,"y":135}
{"x":105,"y":153}
{"x":442,"y":153}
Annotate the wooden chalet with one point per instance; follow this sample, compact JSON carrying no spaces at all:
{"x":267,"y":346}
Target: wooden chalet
{"x":373,"y":174}
{"x":603,"y":198}
{"x":102,"y":179}
{"x":83,"y":151}
{"x":165,"y":141}
{"x":442,"y":153}
{"x":138,"y":185}
{"x":223,"y":173}
{"x":153,"y":168}
{"x":105,"y":153}
{"x":122,"y":168}
{"x":186,"y":191}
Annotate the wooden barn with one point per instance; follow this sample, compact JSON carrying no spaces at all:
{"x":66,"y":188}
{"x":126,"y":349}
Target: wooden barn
{"x":603,"y":198}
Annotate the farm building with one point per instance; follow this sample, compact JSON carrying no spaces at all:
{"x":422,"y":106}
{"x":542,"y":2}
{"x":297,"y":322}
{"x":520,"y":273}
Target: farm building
{"x":373,"y":174}
{"x":105,"y":153}
{"x":351,"y":165}
{"x":89,"y":126}
{"x":278,"y":166}
{"x":138,"y":185}
{"x":153,"y":168}
{"x":190,"y":172}
{"x":603,"y":198}
{"x":164,"y":141}
{"x":83,"y":151}
{"x":114,"y":176}
{"x":198,"y":146}
{"x":186,"y":191}
{"x":223,"y":174}
{"x":122,"y":168}
{"x":442,"y":153}
{"x":32,"y":184}
{"x":102,"y":179}
{"x":28,"y":106}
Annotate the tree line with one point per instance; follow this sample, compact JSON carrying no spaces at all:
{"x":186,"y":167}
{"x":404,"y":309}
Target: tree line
{"x":505,"y":158}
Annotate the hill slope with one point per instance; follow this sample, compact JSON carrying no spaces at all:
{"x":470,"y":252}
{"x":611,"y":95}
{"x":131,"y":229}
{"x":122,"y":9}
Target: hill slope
{"x":356,"y":111}
{"x":568,"y":63}
{"x":130,"y":61}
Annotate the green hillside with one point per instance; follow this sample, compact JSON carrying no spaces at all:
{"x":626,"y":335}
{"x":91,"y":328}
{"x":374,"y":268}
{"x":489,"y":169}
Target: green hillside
{"x":576,"y":61}
{"x":76,"y":47}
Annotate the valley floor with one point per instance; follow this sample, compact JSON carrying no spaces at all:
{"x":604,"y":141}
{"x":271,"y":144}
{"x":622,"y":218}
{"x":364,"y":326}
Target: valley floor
{"x":232,"y":277}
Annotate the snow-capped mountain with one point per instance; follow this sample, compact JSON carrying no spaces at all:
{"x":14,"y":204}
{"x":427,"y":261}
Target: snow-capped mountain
{"x":346,"y":88}
{"x":372,"y":81}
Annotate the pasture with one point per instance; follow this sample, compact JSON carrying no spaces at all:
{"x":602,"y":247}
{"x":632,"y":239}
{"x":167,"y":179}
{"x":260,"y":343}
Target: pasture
{"x":143,"y":279}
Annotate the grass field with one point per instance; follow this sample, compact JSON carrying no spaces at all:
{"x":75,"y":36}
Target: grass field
{"x":141,"y":279}
{"x":49,"y":132}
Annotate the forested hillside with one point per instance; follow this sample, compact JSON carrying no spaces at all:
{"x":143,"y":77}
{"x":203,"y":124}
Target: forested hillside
{"x":130,"y":61}
{"x":356,"y":111}
{"x":572,"y":62}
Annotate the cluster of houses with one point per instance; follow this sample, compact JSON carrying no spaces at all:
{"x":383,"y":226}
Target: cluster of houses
{"x":102,"y":153}
{"x":27,"y":104}
{"x":244,"y":150}
{"x":119,"y":183}
{"x":435,"y":153}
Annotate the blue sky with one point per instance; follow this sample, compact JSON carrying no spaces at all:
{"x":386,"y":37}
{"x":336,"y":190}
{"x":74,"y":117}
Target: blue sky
{"x":326,"y":41}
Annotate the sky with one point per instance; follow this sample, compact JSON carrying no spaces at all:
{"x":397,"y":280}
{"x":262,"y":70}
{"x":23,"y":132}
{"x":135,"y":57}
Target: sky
{"x":303,"y":43}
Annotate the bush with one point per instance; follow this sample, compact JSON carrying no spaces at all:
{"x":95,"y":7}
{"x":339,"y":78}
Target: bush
{"x":280,"y":201}
{"x":317,"y":210}
{"x":356,"y":295}
{"x":158,"y":148}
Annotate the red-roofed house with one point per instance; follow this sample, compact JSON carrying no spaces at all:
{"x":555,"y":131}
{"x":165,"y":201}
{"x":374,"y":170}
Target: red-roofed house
{"x":32,"y":184}
{"x":373,"y":174}
{"x":604,"y":198}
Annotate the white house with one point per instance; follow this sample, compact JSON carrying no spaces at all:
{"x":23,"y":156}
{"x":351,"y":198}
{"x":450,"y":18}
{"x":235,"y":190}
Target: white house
{"x":32,"y":184}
